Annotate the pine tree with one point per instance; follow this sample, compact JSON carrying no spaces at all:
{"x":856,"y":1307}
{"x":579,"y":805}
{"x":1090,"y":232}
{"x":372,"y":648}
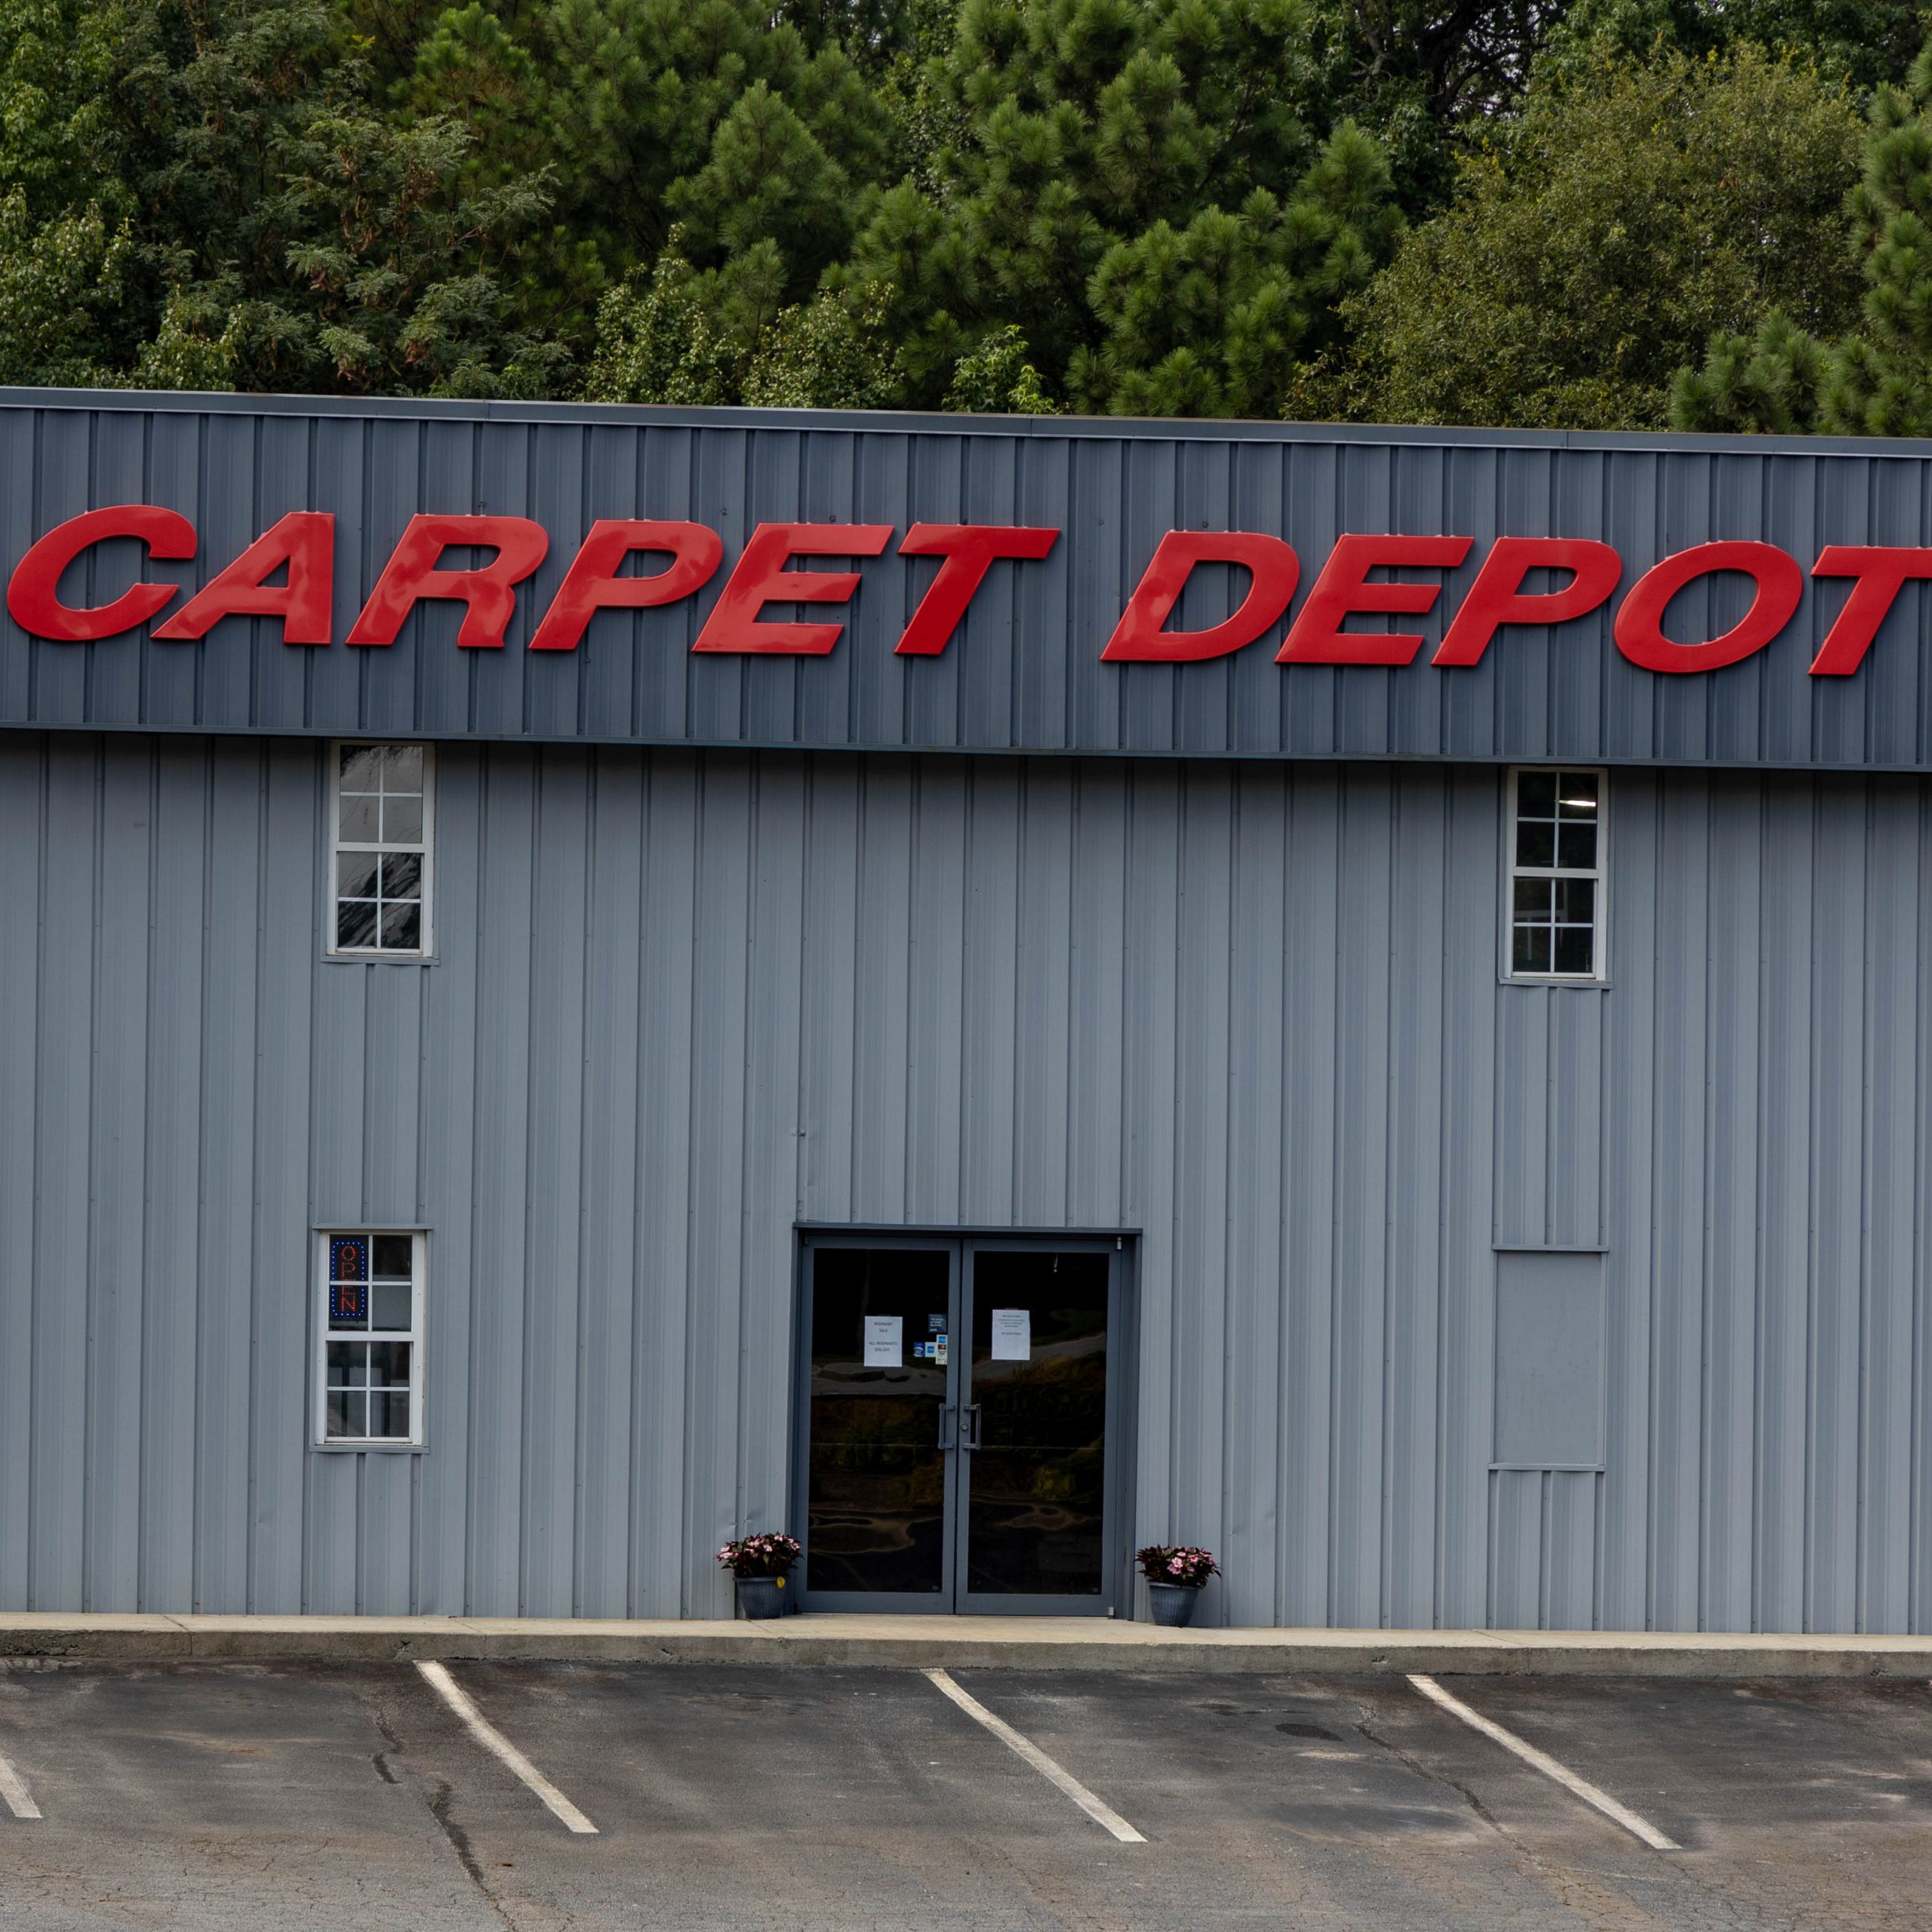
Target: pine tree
{"x":1876,"y":378}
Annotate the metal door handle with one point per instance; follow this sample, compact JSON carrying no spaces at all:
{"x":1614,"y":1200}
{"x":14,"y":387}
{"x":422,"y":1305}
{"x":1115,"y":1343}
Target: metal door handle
{"x":947,"y":1431}
{"x":970,"y":1439}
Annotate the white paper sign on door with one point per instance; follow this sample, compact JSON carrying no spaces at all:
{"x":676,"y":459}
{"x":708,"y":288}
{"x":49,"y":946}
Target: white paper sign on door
{"x":885,"y":1341}
{"x":1013,"y":1334}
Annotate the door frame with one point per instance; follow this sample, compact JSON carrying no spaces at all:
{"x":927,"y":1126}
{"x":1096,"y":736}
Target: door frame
{"x":1116,"y":1598}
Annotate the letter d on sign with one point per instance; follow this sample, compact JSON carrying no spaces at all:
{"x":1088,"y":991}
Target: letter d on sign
{"x":1274,"y":571}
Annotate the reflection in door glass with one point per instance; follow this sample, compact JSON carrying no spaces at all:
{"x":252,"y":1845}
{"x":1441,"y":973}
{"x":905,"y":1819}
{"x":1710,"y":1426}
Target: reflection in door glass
{"x":1034,"y":1516}
{"x":876,"y":1504}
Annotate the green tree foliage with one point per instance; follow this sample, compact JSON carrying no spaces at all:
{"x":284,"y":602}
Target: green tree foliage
{"x":1630,"y":212}
{"x":1509,"y":210}
{"x":1862,"y":42}
{"x":220,"y":200}
{"x":1145,"y":189}
{"x":646,"y":113}
{"x":1875,"y":378}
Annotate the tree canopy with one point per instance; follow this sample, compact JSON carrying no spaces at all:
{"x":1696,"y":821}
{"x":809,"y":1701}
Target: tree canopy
{"x":1569,"y":213}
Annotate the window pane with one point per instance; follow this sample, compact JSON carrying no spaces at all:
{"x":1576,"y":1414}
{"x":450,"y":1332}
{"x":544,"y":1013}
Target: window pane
{"x":1535,"y":842}
{"x":402,"y":926}
{"x":1536,"y":795}
{"x":390,"y":1303}
{"x":1575,"y":949}
{"x":357,"y":818}
{"x":1576,"y":844}
{"x":388,"y":1415}
{"x":348,"y":1258}
{"x":402,"y":820}
{"x":348,"y":1365}
{"x":348,"y":1415}
{"x":1533,"y":898}
{"x":361,"y":767}
{"x":355,"y":922}
{"x":402,"y":767}
{"x":355,"y":874}
{"x":392,"y":1253}
{"x":402,"y":875}
{"x":1577,"y":796}
{"x":1531,"y":953}
{"x":389,"y":1364}
{"x":1576,"y":900}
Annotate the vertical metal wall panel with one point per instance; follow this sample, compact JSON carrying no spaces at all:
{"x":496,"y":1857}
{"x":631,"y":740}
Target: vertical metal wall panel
{"x":1730,"y":1340}
{"x":560,"y":1213}
{"x":1250,"y":1015}
{"x":23,"y":789}
{"x":670,"y":837}
{"x":606,"y":1182}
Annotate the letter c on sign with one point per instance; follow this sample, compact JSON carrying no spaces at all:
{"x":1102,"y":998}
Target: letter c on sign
{"x":33,"y":597}
{"x":1639,"y":626}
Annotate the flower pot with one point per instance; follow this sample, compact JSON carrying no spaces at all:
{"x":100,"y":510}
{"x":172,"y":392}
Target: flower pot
{"x":761,"y":1596}
{"x":1173,"y":1603}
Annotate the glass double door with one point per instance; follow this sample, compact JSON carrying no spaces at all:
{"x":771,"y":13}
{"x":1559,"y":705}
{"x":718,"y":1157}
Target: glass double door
{"x":958,"y":1432}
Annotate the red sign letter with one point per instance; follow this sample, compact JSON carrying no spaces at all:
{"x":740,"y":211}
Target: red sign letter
{"x":411,"y":576}
{"x":970,"y":550}
{"x":1274,"y":571}
{"x":33,"y":597}
{"x":1316,"y":637}
{"x":592,"y":582}
{"x":1497,"y":597}
{"x":305,"y":541}
{"x":758,"y":581}
{"x":1882,"y":573}
{"x":1639,"y":625}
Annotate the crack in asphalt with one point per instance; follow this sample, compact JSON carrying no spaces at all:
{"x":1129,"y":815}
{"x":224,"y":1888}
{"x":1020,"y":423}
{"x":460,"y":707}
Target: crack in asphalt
{"x":459,"y":1838}
{"x":381,"y":1758}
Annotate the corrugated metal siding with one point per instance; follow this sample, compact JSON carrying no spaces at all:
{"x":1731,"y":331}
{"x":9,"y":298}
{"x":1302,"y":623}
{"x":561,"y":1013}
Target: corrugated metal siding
{"x":1025,"y":672}
{"x":686,"y":1000}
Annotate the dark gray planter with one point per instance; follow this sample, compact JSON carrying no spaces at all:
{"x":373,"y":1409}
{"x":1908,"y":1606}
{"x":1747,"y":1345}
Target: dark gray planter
{"x":1173,"y":1603}
{"x":761,"y":1596}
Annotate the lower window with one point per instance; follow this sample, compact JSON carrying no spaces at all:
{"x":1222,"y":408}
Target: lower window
{"x":369,"y":1384}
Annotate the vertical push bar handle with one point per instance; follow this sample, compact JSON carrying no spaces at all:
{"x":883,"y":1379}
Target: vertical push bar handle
{"x":948,"y":1428}
{"x":971,"y":1416}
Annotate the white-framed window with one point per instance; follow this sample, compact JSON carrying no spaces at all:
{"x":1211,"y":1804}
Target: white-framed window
{"x":381,"y":821}
{"x":369,"y":1366}
{"x":1556,"y":830}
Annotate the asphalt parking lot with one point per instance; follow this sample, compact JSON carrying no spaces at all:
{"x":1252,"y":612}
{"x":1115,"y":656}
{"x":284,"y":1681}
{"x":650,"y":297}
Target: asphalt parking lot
{"x":267,"y":1797}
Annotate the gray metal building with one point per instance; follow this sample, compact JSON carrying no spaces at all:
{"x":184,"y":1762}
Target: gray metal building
{"x":1452,"y":1137}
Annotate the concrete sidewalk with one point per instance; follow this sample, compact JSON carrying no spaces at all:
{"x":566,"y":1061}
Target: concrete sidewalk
{"x":1011,"y":1643}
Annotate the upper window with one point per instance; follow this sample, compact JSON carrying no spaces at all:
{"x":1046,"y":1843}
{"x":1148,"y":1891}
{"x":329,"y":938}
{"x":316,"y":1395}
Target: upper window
{"x":384,"y":801}
{"x":371,"y":1368}
{"x":1556,"y":875}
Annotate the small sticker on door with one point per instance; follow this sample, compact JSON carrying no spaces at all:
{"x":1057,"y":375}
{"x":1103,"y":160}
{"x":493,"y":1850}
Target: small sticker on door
{"x":885,"y":1341}
{"x":1013,"y":1334}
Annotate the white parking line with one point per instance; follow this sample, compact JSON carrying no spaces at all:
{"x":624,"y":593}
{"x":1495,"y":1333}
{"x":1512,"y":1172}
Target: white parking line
{"x":1102,"y":1815}
{"x":493,"y":1740}
{"x":13,"y":1789}
{"x":1581,"y":1787}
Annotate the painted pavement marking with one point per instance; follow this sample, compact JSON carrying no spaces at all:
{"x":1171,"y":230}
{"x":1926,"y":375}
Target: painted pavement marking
{"x":1590,"y":1794}
{"x":1103,"y":1815}
{"x":13,"y":1789}
{"x":494,"y":1741}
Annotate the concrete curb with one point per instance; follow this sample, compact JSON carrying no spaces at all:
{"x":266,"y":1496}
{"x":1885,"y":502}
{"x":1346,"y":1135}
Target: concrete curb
{"x":1009,"y":1642}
